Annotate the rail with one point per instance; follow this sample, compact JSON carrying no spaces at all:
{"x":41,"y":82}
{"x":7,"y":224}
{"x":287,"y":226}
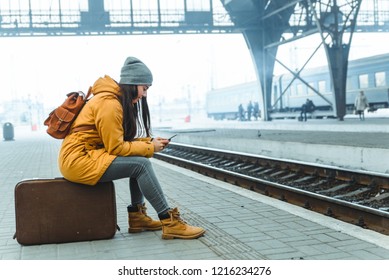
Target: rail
{"x":360,"y":198}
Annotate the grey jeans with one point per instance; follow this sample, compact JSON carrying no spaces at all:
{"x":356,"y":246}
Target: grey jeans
{"x":142,"y":180}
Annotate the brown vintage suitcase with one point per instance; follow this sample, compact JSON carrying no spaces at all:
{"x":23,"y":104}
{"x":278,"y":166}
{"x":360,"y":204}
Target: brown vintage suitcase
{"x":58,"y":211}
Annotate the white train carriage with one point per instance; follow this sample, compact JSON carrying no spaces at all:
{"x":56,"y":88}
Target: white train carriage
{"x":370,"y":74}
{"x":222,"y":104}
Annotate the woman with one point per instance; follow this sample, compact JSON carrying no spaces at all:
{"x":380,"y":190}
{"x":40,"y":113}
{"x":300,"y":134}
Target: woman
{"x":361,"y":104}
{"x":111,"y":139}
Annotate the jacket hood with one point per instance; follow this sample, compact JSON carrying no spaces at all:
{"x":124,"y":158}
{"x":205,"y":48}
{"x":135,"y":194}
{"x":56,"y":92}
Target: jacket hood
{"x":105,"y":84}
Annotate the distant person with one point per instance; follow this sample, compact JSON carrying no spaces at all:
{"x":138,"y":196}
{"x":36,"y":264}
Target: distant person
{"x":250,"y":109}
{"x":256,"y":111}
{"x":307,"y":107}
{"x":240,"y":112}
{"x":361,"y":104}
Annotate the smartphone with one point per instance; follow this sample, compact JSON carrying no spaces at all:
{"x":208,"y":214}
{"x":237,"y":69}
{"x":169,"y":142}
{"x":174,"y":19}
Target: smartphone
{"x":172,"y":137}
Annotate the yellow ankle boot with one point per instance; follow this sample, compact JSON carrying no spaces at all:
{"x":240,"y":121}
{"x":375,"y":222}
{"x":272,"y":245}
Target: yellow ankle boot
{"x":138,"y":221}
{"x":175,"y":227}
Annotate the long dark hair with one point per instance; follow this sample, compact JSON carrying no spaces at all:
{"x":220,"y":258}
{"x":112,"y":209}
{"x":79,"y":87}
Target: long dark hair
{"x":130,"y":111}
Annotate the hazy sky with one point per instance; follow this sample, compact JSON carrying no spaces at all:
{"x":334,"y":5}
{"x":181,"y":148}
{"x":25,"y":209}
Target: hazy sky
{"x":50,"y":67}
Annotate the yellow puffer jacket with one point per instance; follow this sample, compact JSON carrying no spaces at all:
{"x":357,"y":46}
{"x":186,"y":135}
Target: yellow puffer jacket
{"x":86,"y":155}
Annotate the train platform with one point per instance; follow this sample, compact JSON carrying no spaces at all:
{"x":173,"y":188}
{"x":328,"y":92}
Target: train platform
{"x":349,"y":144}
{"x":240,"y":225}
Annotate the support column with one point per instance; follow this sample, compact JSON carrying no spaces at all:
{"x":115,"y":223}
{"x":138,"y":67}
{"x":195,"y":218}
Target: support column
{"x":264,"y":61}
{"x":96,"y":6}
{"x":96,"y":17}
{"x":338,"y":64}
{"x":336,"y":22}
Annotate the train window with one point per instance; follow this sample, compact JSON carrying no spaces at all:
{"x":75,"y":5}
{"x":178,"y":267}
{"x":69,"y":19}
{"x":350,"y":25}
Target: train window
{"x":322,"y":86}
{"x":310,"y":90}
{"x":380,"y":79}
{"x":349,"y":83}
{"x":301,"y":89}
{"x":293,"y":90}
{"x":363,"y":81}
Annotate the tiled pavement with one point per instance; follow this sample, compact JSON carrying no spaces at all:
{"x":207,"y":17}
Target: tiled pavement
{"x":240,"y":224}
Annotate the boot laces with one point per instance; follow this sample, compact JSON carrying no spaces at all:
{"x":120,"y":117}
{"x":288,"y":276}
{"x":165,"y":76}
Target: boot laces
{"x":142,"y":209}
{"x":176,"y":216}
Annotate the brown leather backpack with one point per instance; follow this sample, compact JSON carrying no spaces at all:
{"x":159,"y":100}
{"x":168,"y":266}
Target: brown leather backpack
{"x":60,"y":119}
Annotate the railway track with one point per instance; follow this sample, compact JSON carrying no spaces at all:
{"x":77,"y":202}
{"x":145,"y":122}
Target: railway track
{"x":360,"y":198}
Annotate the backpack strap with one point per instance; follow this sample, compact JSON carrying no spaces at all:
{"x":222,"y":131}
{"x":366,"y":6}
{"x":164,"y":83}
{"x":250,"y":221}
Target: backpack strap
{"x":83,"y":128}
{"x":88,"y":94}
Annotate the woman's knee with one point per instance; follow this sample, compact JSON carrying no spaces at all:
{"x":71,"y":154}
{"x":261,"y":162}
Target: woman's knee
{"x":131,"y":166}
{"x":141,"y":163}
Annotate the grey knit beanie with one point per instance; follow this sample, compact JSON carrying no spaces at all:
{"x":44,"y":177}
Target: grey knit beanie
{"x":135,"y":72}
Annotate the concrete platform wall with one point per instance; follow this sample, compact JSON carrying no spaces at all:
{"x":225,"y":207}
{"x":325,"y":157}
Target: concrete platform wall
{"x":360,"y":158}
